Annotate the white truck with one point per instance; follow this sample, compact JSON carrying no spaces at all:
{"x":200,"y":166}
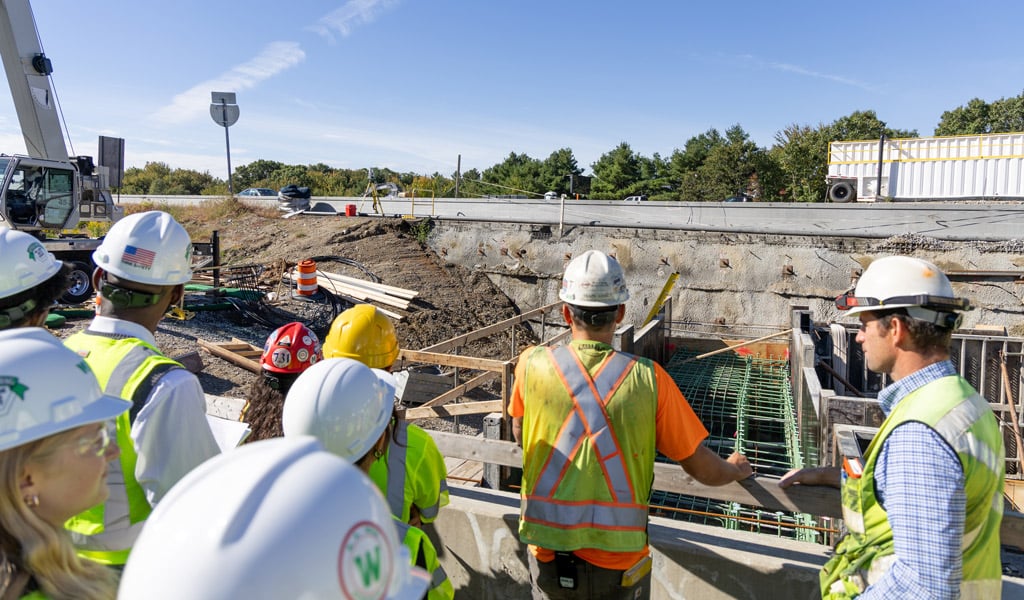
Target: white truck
{"x":967,"y":167}
{"x":46,"y":192}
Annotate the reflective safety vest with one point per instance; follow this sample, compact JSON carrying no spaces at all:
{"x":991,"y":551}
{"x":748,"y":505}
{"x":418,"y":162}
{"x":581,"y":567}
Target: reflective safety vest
{"x":952,"y":408}
{"x":588,"y":448}
{"x":128,"y":368}
{"x":412,"y":468}
{"x":423,"y":554}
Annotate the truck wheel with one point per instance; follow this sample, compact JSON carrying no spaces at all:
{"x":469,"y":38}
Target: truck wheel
{"x":841,"y":192}
{"x":80,"y":288}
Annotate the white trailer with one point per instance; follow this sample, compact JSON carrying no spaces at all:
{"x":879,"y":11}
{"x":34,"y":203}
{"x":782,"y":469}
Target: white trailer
{"x":968,"y":167}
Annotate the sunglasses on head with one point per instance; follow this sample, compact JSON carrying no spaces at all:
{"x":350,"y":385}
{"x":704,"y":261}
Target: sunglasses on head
{"x":937,"y":303}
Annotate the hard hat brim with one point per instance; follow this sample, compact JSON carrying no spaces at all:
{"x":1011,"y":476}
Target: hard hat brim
{"x":856,"y":310}
{"x":104,"y":408}
{"x":388,"y":380}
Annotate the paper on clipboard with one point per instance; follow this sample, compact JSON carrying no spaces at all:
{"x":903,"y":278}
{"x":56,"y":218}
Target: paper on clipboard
{"x":228,"y":433}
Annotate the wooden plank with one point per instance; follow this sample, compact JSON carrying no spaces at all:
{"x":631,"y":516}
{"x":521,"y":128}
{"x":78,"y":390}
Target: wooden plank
{"x":450,"y":360}
{"x":450,"y":410}
{"x":461,"y":389}
{"x":363,"y":294}
{"x":424,"y":387}
{"x":483,"y":332}
{"x":357,"y":293}
{"x":372,"y":285}
{"x":224,"y":350}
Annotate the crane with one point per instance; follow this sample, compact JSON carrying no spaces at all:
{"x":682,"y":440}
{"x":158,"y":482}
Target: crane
{"x":46,"y":190}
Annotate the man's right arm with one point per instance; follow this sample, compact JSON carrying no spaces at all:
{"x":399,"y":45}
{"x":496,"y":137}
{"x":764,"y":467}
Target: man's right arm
{"x":710,"y":469}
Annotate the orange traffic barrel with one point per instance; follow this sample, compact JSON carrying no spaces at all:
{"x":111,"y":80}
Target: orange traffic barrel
{"x":305,"y":283}
{"x":350,"y":210}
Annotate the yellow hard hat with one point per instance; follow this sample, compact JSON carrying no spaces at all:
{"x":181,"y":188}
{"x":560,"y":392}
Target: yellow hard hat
{"x":365,"y":334}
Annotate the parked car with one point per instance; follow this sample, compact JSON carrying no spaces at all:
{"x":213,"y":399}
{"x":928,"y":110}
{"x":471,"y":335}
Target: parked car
{"x":740,"y":198}
{"x":640,"y":198}
{"x":551,"y":195}
{"x":258,"y":192}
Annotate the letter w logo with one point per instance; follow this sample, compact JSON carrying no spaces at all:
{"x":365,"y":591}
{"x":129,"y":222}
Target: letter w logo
{"x":369,"y":567}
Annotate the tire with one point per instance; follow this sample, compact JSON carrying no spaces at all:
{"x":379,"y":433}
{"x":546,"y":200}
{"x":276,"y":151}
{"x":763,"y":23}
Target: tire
{"x":841,"y":192}
{"x":80,"y":288}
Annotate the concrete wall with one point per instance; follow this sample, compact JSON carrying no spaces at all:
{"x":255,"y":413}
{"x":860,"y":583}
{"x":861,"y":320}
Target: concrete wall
{"x":477,"y":540}
{"x":725,"y":278}
{"x":483,"y":557}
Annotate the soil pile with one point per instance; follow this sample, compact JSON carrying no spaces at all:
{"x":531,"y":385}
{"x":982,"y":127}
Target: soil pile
{"x":451,"y":300}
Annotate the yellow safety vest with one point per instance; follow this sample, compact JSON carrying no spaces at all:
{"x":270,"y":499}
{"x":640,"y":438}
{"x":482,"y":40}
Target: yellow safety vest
{"x":952,"y":408}
{"x":423,"y":554}
{"x":411,"y":468}
{"x":127,"y":368}
{"x":588,"y":448}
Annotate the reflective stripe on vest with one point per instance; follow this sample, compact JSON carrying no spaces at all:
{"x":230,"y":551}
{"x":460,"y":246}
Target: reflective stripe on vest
{"x":396,"y":469}
{"x":423,"y":554}
{"x":587,"y":420}
{"x":397,"y":454}
{"x":106,"y":533}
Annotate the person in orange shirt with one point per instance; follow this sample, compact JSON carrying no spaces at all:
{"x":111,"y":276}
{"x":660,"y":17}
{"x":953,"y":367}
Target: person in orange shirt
{"x":590,"y":421}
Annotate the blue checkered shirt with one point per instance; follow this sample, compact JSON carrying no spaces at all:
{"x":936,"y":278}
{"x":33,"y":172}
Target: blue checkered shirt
{"x":920,"y":483}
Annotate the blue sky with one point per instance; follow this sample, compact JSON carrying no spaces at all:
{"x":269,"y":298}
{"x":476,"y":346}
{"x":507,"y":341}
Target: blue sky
{"x":412,"y":84}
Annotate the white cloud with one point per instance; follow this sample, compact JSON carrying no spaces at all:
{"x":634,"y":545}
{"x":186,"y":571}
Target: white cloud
{"x":194,"y":103}
{"x":350,"y":15}
{"x":809,"y":73}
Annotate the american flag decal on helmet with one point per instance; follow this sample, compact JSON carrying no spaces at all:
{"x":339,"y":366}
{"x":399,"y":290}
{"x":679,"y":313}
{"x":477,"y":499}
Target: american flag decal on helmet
{"x":138,"y":257}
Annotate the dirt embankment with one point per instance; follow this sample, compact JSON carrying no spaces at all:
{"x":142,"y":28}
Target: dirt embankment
{"x":451,"y":300}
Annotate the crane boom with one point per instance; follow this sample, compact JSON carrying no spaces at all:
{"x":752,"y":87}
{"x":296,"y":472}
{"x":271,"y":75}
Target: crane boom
{"x":28,"y":72}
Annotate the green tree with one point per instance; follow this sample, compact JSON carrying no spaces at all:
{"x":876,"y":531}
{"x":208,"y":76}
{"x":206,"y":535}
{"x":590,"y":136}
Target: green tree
{"x":977,"y":117}
{"x":255,"y":174}
{"x":159,"y":179}
{"x":518,"y":174}
{"x":559,"y":171}
{"x":615,"y":173}
{"x":712,"y":167}
{"x":802,"y":151}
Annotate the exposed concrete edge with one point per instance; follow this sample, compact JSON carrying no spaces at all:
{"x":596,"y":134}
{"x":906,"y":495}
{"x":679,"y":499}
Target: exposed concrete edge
{"x":484,"y":559}
{"x":480,"y":550}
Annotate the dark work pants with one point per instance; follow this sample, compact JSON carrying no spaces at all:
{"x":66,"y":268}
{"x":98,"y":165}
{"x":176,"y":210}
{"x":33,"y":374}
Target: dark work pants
{"x":594,"y":583}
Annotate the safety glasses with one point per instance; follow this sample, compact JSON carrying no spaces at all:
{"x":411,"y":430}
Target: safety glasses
{"x":97,"y":445}
{"x":937,"y":303}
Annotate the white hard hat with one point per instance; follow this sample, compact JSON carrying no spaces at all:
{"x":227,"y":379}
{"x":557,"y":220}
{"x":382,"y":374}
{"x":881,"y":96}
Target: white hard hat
{"x":594,"y":279}
{"x":148,"y":247}
{"x":279,"y":518}
{"x":905,"y":282}
{"x":26,"y":263}
{"x":45,"y":388}
{"x":341,"y":402}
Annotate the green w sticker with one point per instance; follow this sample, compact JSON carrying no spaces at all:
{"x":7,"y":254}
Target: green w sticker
{"x":10,"y":389}
{"x":369,"y":566}
{"x":365,"y":563}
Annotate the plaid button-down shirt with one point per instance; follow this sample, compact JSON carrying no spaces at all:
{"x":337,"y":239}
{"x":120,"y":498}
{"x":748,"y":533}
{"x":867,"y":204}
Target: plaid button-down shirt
{"x":920,"y":483}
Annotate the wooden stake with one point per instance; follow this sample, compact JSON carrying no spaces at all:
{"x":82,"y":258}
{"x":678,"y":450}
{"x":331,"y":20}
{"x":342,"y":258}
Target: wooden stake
{"x":721,"y":350}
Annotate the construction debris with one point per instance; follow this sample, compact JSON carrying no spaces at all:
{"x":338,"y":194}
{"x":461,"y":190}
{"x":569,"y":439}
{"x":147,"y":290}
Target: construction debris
{"x":236,"y":352}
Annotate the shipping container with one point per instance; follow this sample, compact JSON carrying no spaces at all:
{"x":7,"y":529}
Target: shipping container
{"x":969,"y":167}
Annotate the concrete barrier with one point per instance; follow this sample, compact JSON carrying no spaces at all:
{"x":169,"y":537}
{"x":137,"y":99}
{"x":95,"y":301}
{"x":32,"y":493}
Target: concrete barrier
{"x":478,"y":544}
{"x":481,"y":552}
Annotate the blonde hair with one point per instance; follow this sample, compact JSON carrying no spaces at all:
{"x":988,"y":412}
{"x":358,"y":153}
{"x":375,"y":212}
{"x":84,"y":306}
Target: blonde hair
{"x":35,"y":546}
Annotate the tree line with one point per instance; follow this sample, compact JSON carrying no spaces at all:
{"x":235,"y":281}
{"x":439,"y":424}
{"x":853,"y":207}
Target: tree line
{"x":710,"y":166}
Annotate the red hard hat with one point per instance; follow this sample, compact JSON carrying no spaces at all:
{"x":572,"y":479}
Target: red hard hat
{"x":292,"y":348}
